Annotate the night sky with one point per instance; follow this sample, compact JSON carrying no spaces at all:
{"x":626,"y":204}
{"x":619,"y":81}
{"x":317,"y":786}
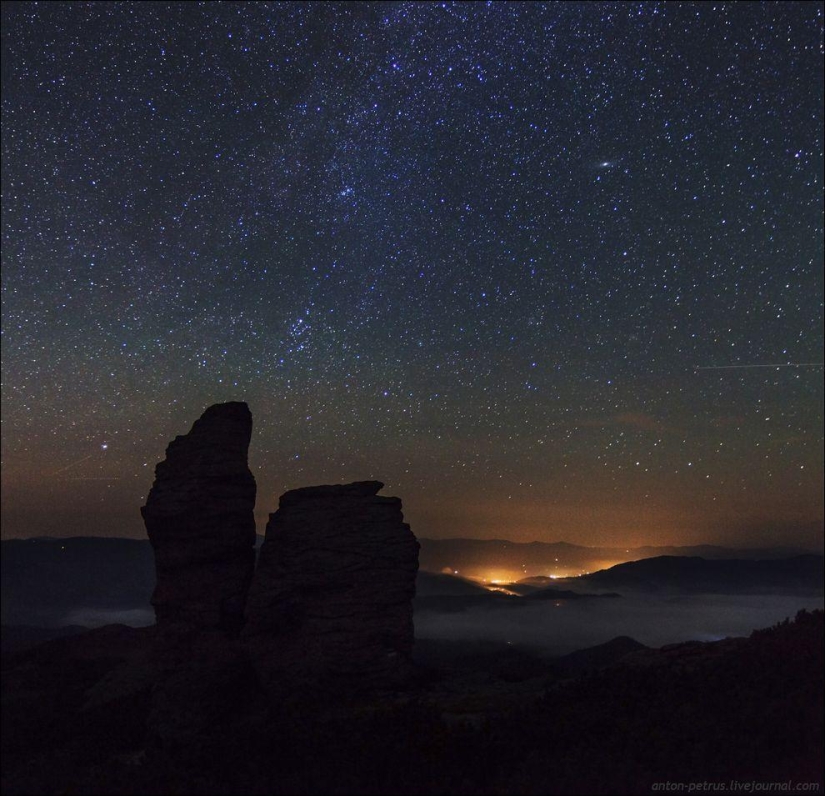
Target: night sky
{"x":474,"y":250}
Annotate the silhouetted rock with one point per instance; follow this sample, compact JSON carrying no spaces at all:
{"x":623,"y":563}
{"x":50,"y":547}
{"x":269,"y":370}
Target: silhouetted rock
{"x":331,"y":602}
{"x":199,"y":517}
{"x":200,"y":521}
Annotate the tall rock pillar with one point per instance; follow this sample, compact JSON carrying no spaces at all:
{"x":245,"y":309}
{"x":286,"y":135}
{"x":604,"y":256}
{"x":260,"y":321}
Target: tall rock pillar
{"x":200,"y":522}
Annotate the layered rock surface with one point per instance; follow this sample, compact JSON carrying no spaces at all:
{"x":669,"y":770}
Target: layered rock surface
{"x":331,"y":601}
{"x":200,"y":521}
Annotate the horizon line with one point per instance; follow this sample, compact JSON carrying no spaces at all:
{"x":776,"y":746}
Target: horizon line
{"x":805,"y":548}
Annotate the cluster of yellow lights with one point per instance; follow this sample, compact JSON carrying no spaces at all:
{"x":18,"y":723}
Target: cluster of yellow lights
{"x":505,"y":577}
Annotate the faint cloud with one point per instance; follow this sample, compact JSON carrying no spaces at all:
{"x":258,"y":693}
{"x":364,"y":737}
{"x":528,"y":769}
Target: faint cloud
{"x":640,"y":421}
{"x":726,"y":421}
{"x":635,"y":420}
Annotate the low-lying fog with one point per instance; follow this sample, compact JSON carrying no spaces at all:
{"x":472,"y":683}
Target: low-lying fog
{"x":97,"y":617}
{"x":572,"y":625}
{"x":654,"y":621}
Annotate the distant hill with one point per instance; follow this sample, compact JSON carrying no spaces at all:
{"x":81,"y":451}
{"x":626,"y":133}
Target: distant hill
{"x":430,"y":584}
{"x":44,"y":581}
{"x":450,"y":593}
{"x":92,"y":581}
{"x":606,"y":654}
{"x":501,"y":559}
{"x":799,"y":574}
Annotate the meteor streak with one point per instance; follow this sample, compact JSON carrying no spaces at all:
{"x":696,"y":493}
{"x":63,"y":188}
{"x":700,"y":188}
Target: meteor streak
{"x":777,"y":365}
{"x":103,"y":447}
{"x":72,"y":464}
{"x":94,"y":478}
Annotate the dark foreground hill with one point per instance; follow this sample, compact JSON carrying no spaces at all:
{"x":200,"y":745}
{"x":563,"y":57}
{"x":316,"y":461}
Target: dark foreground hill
{"x":613,"y":720}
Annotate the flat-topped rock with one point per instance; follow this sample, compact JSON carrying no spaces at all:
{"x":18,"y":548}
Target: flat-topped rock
{"x":331,"y":601}
{"x":332,"y":491}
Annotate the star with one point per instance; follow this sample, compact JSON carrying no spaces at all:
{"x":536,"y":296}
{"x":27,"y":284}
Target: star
{"x":469,"y":241}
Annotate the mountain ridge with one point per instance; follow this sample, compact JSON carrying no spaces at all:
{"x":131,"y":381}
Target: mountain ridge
{"x":50,"y":582}
{"x":694,"y":574}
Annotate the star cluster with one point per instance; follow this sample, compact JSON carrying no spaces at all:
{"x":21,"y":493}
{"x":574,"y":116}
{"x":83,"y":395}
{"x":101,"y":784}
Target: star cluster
{"x":476,"y":250}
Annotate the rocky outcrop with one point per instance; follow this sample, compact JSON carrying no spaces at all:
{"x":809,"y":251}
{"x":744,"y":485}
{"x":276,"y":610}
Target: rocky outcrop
{"x":331,"y":601}
{"x":200,"y":521}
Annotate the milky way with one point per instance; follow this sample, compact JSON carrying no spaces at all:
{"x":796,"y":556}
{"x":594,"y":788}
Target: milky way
{"x":485,"y":252}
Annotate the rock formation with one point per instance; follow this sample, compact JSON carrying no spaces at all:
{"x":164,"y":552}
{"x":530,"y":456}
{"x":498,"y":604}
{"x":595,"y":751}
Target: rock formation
{"x":200,"y":521}
{"x":329,"y":609}
{"x":331,"y":601}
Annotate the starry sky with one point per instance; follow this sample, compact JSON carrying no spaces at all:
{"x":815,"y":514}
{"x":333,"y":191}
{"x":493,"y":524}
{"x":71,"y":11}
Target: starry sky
{"x":516,"y":260}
